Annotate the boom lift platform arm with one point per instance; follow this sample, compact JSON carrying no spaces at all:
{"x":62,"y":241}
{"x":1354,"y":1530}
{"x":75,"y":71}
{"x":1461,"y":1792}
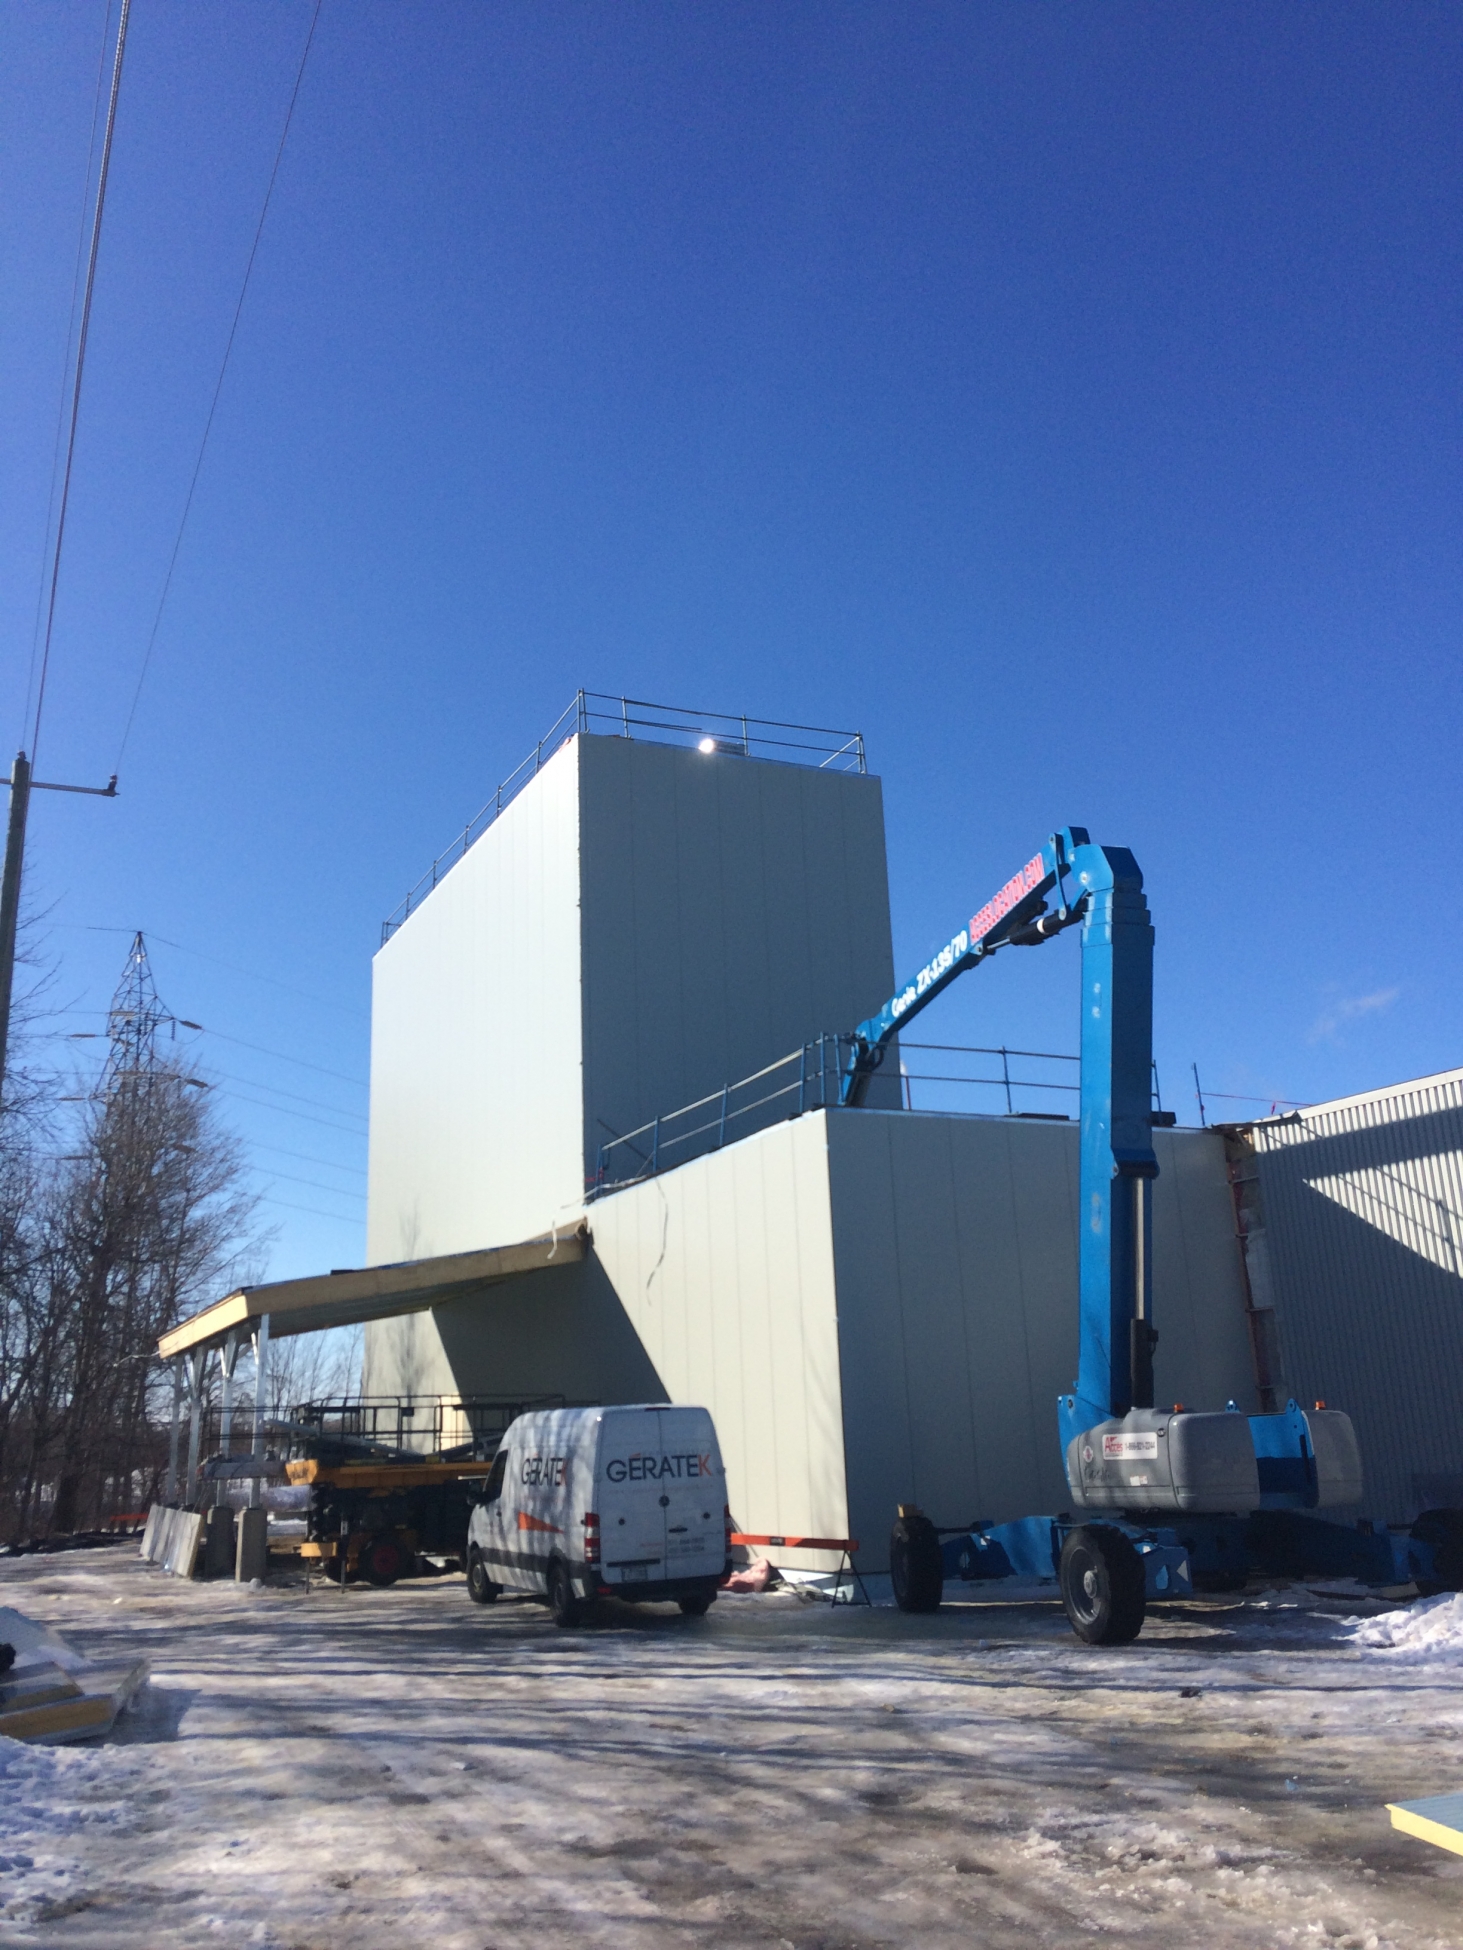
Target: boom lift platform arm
{"x":1176,"y":1496}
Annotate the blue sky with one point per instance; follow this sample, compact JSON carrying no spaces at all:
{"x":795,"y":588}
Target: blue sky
{"x":1066,"y":396}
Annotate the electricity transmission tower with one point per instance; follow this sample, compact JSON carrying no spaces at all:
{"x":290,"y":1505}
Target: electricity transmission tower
{"x":133,"y":1022}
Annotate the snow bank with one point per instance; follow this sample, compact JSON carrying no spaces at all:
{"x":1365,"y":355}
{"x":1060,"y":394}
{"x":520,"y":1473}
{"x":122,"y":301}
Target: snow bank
{"x":1432,"y":1630}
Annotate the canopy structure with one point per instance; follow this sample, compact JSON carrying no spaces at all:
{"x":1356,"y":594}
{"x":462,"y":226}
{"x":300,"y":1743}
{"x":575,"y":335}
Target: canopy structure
{"x":352,"y":1295}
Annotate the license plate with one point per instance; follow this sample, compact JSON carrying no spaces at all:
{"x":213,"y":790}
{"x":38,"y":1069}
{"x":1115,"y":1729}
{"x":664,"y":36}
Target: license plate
{"x":634,"y":1574}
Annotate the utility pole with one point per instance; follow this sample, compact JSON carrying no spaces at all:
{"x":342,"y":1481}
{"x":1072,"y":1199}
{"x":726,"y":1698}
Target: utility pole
{"x":22,"y":785}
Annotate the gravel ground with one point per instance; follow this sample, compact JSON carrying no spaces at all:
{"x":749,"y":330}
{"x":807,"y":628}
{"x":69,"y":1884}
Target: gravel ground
{"x":310,"y":1770}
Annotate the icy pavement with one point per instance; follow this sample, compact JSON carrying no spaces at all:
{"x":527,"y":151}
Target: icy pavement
{"x":396,"y":1768}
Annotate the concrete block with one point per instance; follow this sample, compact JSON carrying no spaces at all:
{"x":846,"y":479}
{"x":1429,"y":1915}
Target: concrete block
{"x":252,"y":1554}
{"x":218,"y":1543}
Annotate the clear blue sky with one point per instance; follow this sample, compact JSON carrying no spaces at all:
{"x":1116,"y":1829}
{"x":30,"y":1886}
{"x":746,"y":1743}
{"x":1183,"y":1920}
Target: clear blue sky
{"x":1066,"y":396}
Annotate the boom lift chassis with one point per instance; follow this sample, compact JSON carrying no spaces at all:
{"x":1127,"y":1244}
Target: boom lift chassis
{"x":1169,"y":1502}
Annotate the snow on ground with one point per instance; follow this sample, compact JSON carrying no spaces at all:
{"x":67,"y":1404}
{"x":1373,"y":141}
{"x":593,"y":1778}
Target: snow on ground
{"x":311,"y":1769}
{"x":1427,"y":1633}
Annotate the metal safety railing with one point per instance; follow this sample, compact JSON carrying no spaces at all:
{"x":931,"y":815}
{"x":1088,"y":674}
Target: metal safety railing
{"x":810,"y":1078}
{"x":423,"y":1425}
{"x":363,"y":1426}
{"x":663,"y":724}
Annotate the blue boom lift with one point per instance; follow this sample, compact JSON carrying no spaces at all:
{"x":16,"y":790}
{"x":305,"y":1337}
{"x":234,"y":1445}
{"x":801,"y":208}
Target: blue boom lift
{"x":1163,"y":1502}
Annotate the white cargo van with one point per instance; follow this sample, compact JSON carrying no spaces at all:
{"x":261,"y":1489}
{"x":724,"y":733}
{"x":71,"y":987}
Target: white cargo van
{"x":603,"y":1502}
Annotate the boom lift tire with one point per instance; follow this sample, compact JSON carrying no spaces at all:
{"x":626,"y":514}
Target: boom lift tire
{"x":916,"y":1569}
{"x":1102,"y":1585}
{"x":566,"y":1608}
{"x":1443,"y":1529}
{"x":480,"y":1587}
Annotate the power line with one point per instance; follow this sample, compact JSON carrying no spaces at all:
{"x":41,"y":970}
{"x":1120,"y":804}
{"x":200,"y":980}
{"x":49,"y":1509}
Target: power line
{"x":304,"y":1115}
{"x":219,"y":961}
{"x":218,"y":388}
{"x":341,"y":1218}
{"x":317,"y":1103}
{"x":57,"y":441}
{"x":358,"y":1082}
{"x":335,"y":1191}
{"x":308,"y":1158}
{"x":82,"y":335}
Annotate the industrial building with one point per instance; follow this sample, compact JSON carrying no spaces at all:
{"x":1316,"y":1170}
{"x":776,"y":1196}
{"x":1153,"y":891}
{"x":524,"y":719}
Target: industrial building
{"x":877,"y":1304}
{"x":606,"y":1164}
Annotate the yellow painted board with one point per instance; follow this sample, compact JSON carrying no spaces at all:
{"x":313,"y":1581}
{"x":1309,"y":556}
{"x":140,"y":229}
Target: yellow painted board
{"x":383,"y":1476}
{"x":1438,"y":1819}
{"x":62,"y":1716}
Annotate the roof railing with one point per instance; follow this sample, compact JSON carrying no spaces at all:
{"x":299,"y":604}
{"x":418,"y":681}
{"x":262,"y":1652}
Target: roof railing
{"x":662,"y":724}
{"x":810,"y":1078}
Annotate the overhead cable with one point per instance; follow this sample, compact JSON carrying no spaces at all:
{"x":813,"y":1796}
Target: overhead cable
{"x":58,"y":440}
{"x":218,"y":387}
{"x":90,"y":287}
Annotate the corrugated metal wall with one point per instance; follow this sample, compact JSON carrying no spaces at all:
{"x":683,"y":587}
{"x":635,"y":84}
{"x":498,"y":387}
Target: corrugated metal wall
{"x":875,"y":1306}
{"x":1357,"y":1241}
{"x":476,"y":1090}
{"x":955,"y":1244}
{"x":725,"y":1270}
{"x":733,"y":908}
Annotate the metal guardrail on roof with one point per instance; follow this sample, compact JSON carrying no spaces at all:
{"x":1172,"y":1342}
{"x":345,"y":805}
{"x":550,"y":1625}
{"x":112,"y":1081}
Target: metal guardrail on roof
{"x":1030,"y":1083}
{"x":661,"y":724}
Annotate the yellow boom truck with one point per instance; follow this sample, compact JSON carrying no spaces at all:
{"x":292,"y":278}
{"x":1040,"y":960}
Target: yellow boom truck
{"x":378,"y":1508}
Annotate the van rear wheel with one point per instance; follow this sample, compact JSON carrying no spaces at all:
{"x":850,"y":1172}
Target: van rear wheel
{"x":695,"y":1604}
{"x":566,"y":1607}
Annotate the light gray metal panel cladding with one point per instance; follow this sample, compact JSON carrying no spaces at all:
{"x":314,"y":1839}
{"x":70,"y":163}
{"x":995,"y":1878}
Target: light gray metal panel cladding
{"x":1363,"y":1207}
{"x":955,"y":1251}
{"x":731,"y":909}
{"x":724,"y":1268}
{"x":476,"y":1122}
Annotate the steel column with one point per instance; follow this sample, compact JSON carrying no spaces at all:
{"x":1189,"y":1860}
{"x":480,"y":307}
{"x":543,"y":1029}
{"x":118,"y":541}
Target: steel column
{"x":172,"y":1496}
{"x":261,"y":1389}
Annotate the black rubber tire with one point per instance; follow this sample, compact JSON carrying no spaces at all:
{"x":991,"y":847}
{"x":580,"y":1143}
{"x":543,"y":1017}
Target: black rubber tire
{"x":565,"y":1606}
{"x":1443,"y":1529}
{"x":384,"y":1560}
{"x":916,"y":1569}
{"x":696,"y":1604}
{"x":480,"y":1587}
{"x":1102,"y":1585}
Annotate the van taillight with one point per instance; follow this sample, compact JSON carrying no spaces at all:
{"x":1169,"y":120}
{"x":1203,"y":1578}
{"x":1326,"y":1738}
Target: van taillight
{"x":591,"y":1537}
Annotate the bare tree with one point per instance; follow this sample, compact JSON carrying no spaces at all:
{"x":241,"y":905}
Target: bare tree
{"x":145,"y":1219}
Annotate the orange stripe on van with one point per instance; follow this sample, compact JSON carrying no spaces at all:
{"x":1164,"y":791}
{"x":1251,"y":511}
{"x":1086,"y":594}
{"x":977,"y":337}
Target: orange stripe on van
{"x":846,"y":1544}
{"x":526,"y":1522}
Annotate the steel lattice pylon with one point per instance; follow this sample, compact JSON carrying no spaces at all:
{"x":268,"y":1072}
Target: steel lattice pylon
{"x":133,"y":1022}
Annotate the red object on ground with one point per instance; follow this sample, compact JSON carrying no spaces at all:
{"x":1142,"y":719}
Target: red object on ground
{"x":755,"y":1577}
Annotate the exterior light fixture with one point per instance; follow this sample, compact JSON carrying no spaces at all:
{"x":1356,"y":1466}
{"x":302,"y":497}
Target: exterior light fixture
{"x":707,"y":745}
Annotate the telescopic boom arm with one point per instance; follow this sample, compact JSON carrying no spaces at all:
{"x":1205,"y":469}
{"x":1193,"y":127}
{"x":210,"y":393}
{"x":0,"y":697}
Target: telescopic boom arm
{"x":1102,"y":888}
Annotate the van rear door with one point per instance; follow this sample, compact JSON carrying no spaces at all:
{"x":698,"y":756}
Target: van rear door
{"x":632,"y":1522}
{"x":692,"y":1494}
